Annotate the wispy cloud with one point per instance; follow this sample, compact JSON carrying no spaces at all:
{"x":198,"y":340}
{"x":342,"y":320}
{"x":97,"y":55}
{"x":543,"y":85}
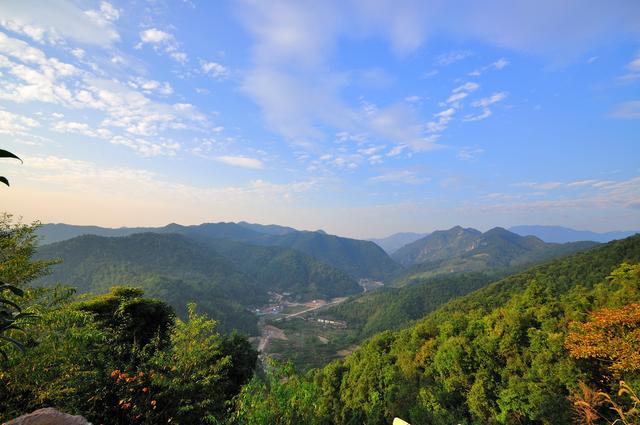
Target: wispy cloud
{"x":15,"y":124}
{"x":449,"y":58}
{"x":633,"y":70}
{"x":214,"y":69}
{"x":240,"y":161}
{"x":401,"y":176}
{"x":484,"y":103}
{"x":469,"y":154}
{"x":162,"y":41}
{"x":49,"y":22}
{"x":628,"y":110}
{"x":497,"y":65}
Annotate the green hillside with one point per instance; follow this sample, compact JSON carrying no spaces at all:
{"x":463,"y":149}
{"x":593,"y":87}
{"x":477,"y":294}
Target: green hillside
{"x":459,"y":250}
{"x":358,"y":258}
{"x":286,"y":270}
{"x":224,"y":277}
{"x":497,"y":355}
{"x":393,"y":308}
{"x":171,"y":267}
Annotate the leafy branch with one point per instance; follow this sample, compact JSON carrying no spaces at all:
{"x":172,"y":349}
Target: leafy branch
{"x":7,"y":154}
{"x":11,"y":315}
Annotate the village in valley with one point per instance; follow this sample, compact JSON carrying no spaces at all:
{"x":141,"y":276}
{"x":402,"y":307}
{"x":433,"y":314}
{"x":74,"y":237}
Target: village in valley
{"x":299,"y":330}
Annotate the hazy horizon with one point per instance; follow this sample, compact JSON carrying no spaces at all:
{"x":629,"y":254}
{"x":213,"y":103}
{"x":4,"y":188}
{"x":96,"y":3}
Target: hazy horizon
{"x":360,"y":118}
{"x":363,"y":237}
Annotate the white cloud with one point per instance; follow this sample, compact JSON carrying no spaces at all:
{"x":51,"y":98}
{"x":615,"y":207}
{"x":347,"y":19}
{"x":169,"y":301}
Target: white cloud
{"x":461,"y":92}
{"x":449,"y":58}
{"x":484,"y":103}
{"x":151,"y":86}
{"x":500,"y":63}
{"x":147,"y":148}
{"x":443,"y":119}
{"x":162,"y":41}
{"x":214,"y":69}
{"x":633,"y":70}
{"x":401,"y":176}
{"x":78,"y":53}
{"x":240,"y":161}
{"x":487,"y":101}
{"x":15,"y":124}
{"x":125,"y":107}
{"x":468,"y":87}
{"x":400,"y":125}
{"x":80,"y":128}
{"x":147,"y":190}
{"x":497,"y":65}
{"x":540,"y":186}
{"x":55,"y":22}
{"x":155,"y":36}
{"x":600,"y":196}
{"x":582,"y":183}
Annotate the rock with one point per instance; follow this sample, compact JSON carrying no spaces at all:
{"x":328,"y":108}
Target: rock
{"x":48,"y":416}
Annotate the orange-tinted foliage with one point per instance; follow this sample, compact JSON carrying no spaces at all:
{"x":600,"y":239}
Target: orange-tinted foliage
{"x":611,"y":336}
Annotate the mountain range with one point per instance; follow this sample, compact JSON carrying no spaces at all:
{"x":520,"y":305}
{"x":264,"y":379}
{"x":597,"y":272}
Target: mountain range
{"x":225,"y":278}
{"x":360,"y":259}
{"x":559,"y":234}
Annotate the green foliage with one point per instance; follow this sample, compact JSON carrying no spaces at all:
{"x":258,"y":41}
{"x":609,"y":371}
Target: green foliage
{"x":75,"y":355}
{"x":7,"y":154}
{"x":132,"y":321}
{"x":196,"y":377}
{"x":394,"y":308}
{"x":281,"y":398}
{"x":496,"y":355}
{"x":11,"y":318}
{"x":191,"y":381}
{"x":17,"y":244}
{"x":65,"y":359}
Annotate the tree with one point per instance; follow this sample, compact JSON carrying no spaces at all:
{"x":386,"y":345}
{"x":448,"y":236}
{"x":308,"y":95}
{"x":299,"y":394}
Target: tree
{"x":17,"y":244}
{"x":138,"y":326}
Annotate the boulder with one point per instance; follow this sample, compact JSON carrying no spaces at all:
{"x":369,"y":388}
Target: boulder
{"x":48,"y":416}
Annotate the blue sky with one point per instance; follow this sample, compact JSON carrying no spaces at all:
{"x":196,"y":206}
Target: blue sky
{"x":363,"y":118}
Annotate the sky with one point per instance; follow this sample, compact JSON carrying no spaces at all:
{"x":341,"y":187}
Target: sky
{"x":359,"y":117}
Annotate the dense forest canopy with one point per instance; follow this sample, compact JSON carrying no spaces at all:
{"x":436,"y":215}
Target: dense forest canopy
{"x":508,"y":353}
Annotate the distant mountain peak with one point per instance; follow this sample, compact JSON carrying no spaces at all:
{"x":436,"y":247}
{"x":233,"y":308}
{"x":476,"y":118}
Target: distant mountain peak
{"x":471,"y":250}
{"x":560,"y":234}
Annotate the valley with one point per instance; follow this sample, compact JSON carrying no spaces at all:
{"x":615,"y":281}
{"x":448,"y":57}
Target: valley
{"x":289,"y":297}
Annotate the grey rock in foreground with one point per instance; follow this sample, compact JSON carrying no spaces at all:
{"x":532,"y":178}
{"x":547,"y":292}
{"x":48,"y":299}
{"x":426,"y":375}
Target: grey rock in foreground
{"x":48,"y":416}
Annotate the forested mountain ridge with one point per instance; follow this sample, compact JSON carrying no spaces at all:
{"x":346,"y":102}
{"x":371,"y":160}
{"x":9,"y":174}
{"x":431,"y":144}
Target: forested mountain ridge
{"x":459,"y":250}
{"x":508,"y":353}
{"x":391,"y":308}
{"x":287,"y":270}
{"x":171,"y":267}
{"x":360,"y":259}
{"x":224,"y":277}
{"x":439,"y":245}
